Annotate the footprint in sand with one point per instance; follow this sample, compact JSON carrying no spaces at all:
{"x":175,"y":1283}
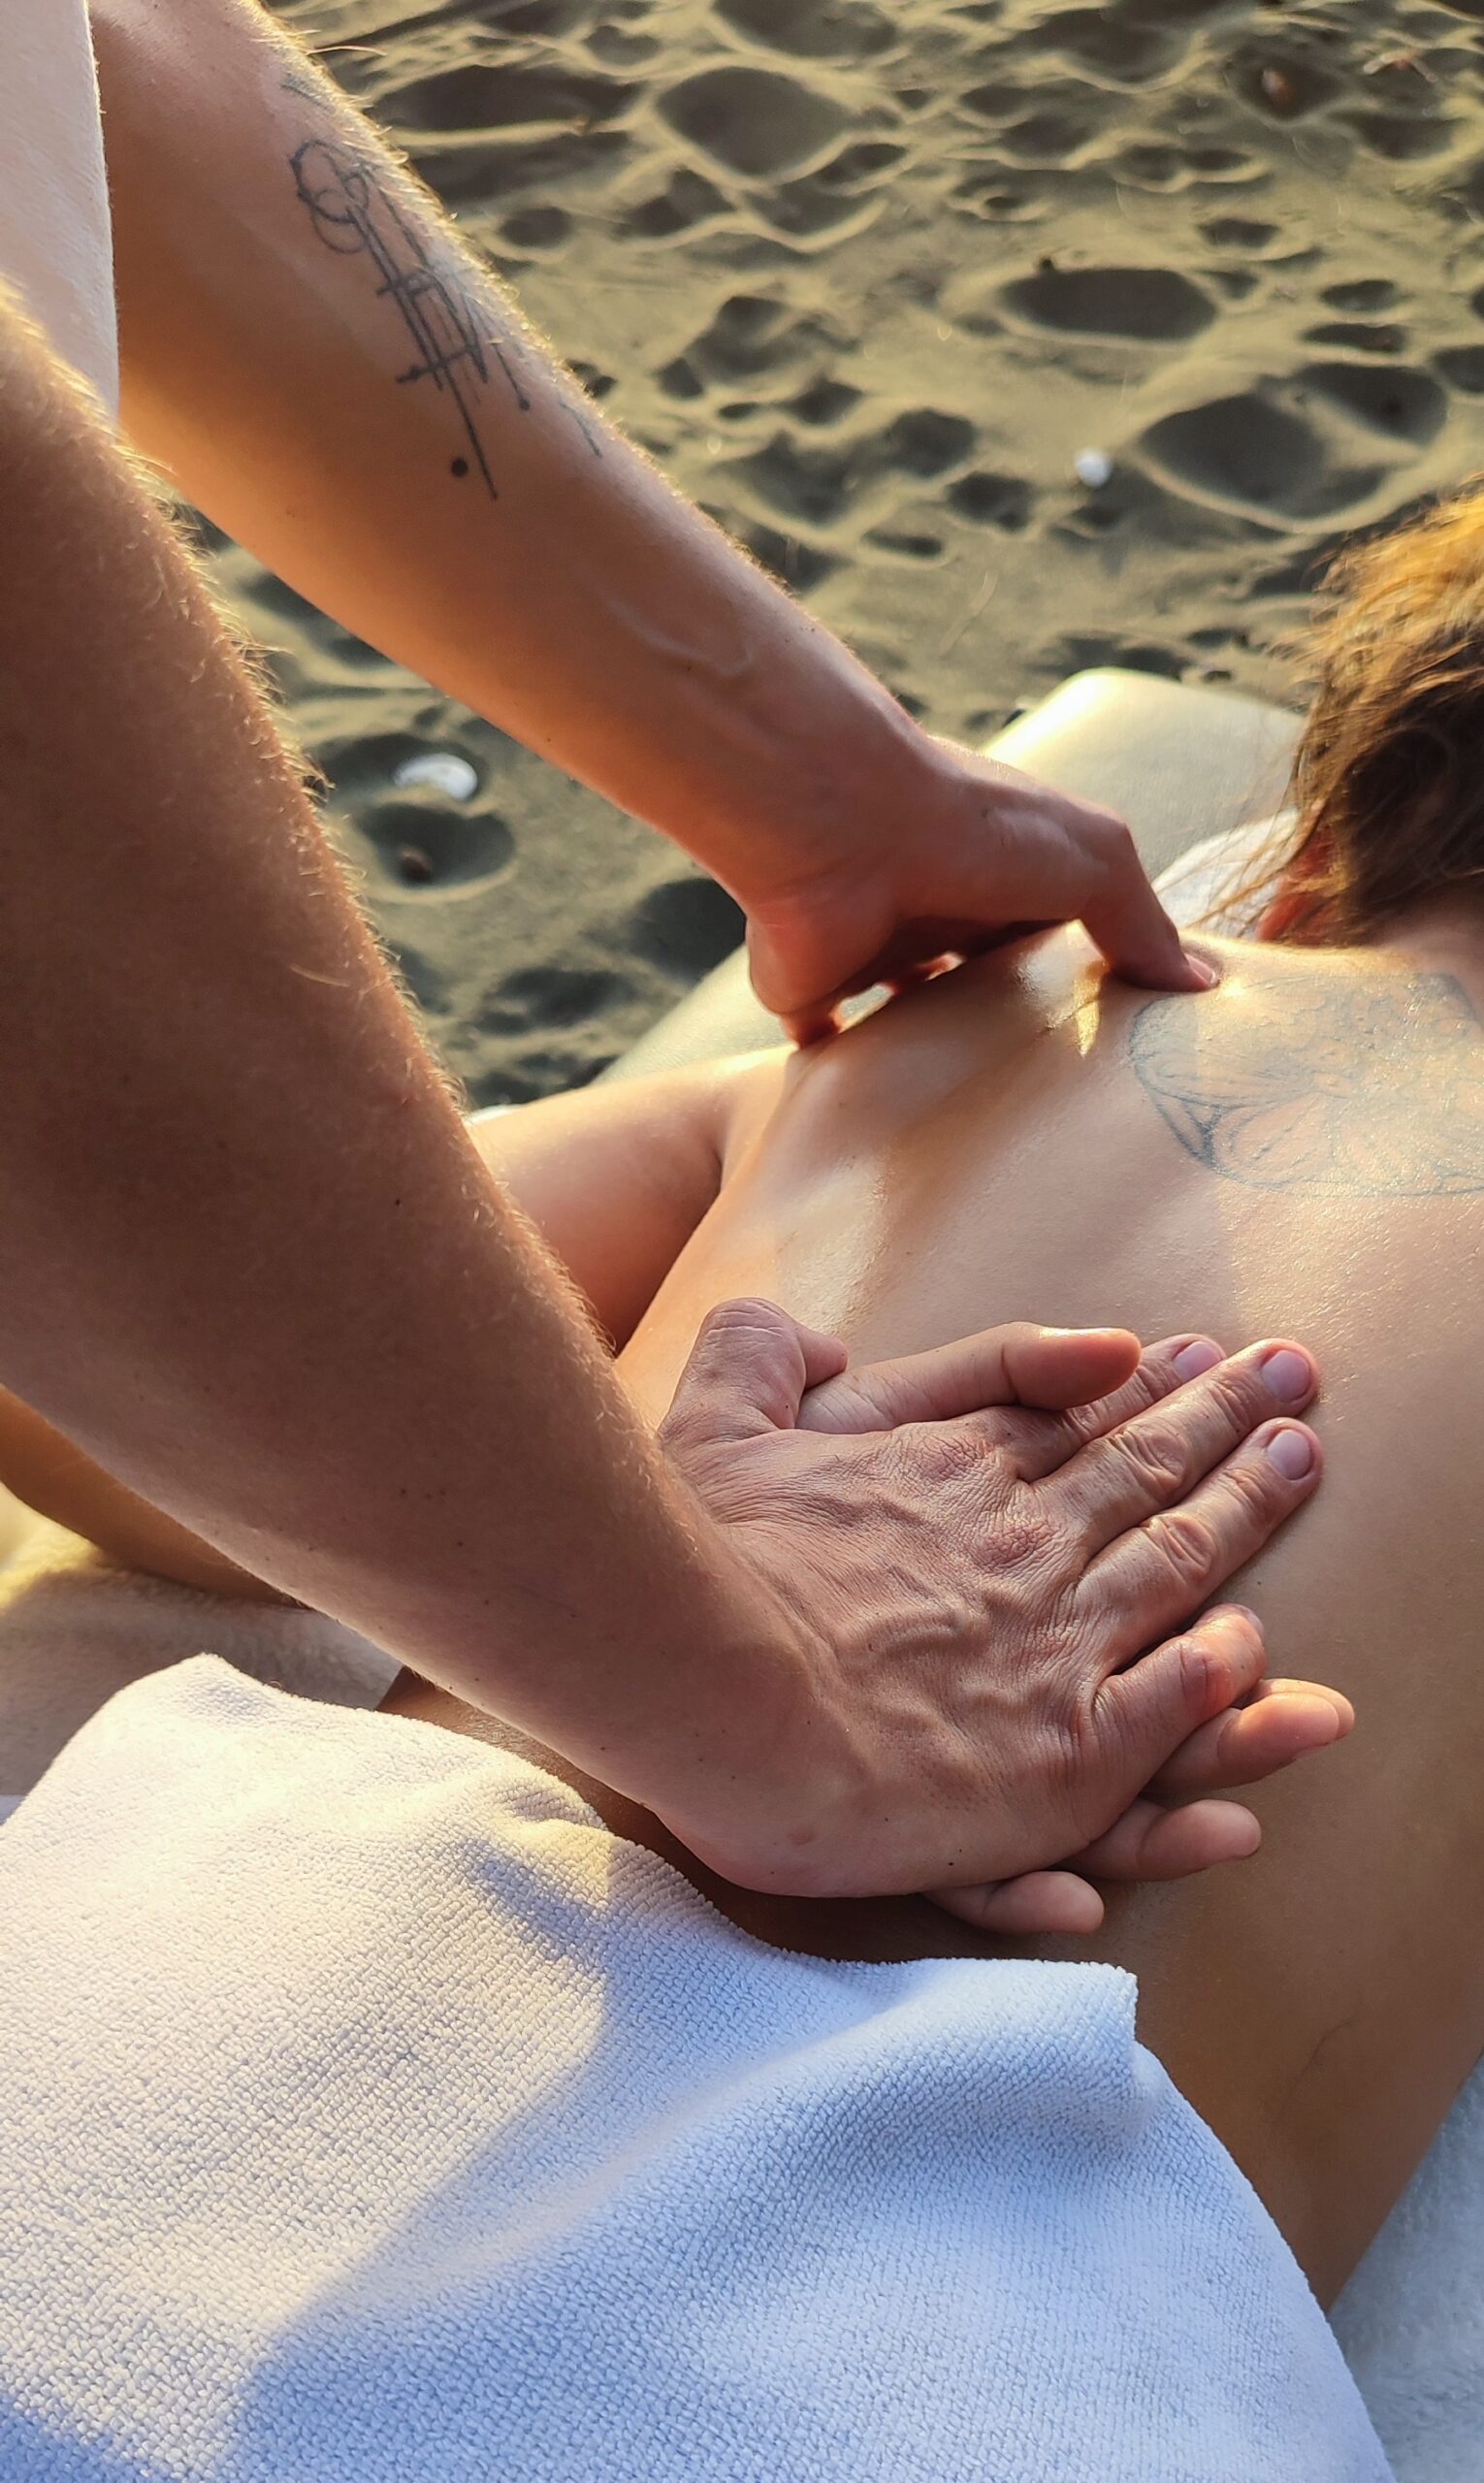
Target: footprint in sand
{"x":828,"y":402}
{"x":687,"y":200}
{"x":424,"y":849}
{"x":798,"y":565}
{"x":1358,"y":336}
{"x":809,"y":486}
{"x":754,"y":122}
{"x":842,"y":191}
{"x":506,"y":95}
{"x":992,"y":499}
{"x":1154,"y":305}
{"x":753,"y":334}
{"x":815,"y":485}
{"x":1303,"y":450}
{"x":1362,"y":293}
{"x":1463,"y":368}
{"x":1050,"y":134}
{"x":810,"y":30}
{"x":1105,"y":40}
{"x":420,"y":844}
{"x":539,"y":998}
{"x":1152,"y":166}
{"x":1243,"y":233}
{"x":621,"y":50}
{"x":1403,"y":137}
{"x":685,"y":926}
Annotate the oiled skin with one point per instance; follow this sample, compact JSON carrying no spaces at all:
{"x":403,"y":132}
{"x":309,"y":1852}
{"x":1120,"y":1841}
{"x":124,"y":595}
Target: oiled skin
{"x":988,"y":1149}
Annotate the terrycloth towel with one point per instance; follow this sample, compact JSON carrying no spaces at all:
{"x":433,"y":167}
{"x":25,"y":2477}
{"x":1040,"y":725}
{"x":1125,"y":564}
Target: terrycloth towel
{"x":56,"y":236}
{"x":368,"y":2114}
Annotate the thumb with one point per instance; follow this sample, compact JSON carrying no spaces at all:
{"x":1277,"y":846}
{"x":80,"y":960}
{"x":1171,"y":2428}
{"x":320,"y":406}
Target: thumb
{"x":1022,"y":1365}
{"x":748,"y":1372}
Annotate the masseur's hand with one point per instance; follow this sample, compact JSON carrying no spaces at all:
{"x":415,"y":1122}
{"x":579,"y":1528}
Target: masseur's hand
{"x":985,"y":1590}
{"x":945,"y":863}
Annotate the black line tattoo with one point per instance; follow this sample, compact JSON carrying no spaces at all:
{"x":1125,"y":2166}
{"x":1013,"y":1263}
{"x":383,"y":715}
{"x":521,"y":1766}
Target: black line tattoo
{"x":350,"y":214}
{"x":1362,"y":1088}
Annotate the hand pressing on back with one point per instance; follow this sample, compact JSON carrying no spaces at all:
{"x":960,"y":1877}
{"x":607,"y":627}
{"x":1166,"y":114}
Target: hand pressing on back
{"x":994,"y":1556}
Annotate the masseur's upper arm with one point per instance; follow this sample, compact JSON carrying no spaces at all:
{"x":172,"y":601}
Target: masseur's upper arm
{"x":617,"y":1177}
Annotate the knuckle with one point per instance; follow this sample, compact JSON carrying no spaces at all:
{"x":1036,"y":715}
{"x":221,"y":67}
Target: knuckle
{"x":746,"y":1315}
{"x":1024,"y":1535}
{"x":1257,"y":1487}
{"x":1156,"y":1377}
{"x":1117,"y":840}
{"x":1239,"y":1398}
{"x":944,"y":1453}
{"x":1023,"y":1437}
{"x":1153,"y":1456}
{"x":1185,"y":1543}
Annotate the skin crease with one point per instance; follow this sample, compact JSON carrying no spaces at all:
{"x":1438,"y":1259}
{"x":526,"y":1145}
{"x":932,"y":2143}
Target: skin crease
{"x":984,"y":1151}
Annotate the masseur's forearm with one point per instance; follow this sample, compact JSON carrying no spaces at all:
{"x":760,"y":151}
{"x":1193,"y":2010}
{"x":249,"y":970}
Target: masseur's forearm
{"x":283,"y":287}
{"x":249,"y":1258}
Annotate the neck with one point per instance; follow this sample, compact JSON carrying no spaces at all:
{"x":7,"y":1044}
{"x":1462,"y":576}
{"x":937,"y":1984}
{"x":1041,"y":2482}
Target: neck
{"x":1444,"y":934}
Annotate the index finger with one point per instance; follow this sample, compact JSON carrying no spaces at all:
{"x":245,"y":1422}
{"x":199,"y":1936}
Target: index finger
{"x":1148,"y":1464}
{"x":1039,"y":1444}
{"x":1126,"y":920}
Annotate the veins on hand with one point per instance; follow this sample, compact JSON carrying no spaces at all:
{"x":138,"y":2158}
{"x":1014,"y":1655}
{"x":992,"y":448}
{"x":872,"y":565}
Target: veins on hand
{"x":1367,"y":1086}
{"x":353,"y":213}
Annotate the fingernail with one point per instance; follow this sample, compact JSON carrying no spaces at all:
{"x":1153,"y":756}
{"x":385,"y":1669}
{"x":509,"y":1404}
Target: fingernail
{"x":1292,"y":1452}
{"x":1209,"y":975}
{"x":1289,"y":1375}
{"x":1192,"y":1360}
{"x":1246,"y":1620}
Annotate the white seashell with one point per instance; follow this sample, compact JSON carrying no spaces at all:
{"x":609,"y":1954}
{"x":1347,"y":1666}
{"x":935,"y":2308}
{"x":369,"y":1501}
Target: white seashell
{"x":1093,"y":466}
{"x":443,"y":769}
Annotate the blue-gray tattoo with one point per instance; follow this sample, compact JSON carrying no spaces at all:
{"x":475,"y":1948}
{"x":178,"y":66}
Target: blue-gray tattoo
{"x":1368,"y":1087}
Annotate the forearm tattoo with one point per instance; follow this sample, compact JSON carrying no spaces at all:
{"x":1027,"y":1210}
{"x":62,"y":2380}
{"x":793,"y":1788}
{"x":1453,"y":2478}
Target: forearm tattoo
{"x":353,"y":213}
{"x":1371,"y":1088}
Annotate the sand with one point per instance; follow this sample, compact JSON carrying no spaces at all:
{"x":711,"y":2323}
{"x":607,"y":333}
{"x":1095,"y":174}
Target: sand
{"x":868,"y":280}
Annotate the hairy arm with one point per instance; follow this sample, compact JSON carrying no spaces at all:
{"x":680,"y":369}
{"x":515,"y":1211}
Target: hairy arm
{"x":317,"y":358}
{"x":251,"y":1261}
{"x":615,"y":1179}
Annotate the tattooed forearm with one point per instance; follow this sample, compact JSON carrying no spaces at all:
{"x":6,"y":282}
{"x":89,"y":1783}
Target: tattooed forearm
{"x":350,"y":214}
{"x":1370,"y":1085}
{"x":354,"y":213}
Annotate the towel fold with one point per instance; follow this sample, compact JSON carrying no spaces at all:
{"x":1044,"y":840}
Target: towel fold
{"x":369,"y":2112}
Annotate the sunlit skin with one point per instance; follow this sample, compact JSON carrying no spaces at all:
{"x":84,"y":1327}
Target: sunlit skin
{"x":988,"y":1150}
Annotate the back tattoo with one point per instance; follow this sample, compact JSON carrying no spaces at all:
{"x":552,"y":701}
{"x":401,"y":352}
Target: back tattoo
{"x":1370,"y":1088}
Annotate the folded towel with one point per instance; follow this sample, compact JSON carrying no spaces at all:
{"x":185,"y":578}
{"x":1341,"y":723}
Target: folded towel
{"x":369,"y":2112}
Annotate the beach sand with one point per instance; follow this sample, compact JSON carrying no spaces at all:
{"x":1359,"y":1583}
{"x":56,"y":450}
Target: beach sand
{"x":867,"y":279}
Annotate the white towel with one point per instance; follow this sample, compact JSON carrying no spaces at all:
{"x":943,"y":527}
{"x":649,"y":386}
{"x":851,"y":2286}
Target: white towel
{"x":57,"y":239}
{"x":368,"y":2114}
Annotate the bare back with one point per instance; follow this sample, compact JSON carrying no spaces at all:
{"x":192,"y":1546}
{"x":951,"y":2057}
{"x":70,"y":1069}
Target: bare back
{"x":1301,"y":1152}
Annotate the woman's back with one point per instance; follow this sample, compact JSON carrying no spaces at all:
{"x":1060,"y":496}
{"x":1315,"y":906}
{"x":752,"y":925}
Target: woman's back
{"x":1300,"y":1153}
